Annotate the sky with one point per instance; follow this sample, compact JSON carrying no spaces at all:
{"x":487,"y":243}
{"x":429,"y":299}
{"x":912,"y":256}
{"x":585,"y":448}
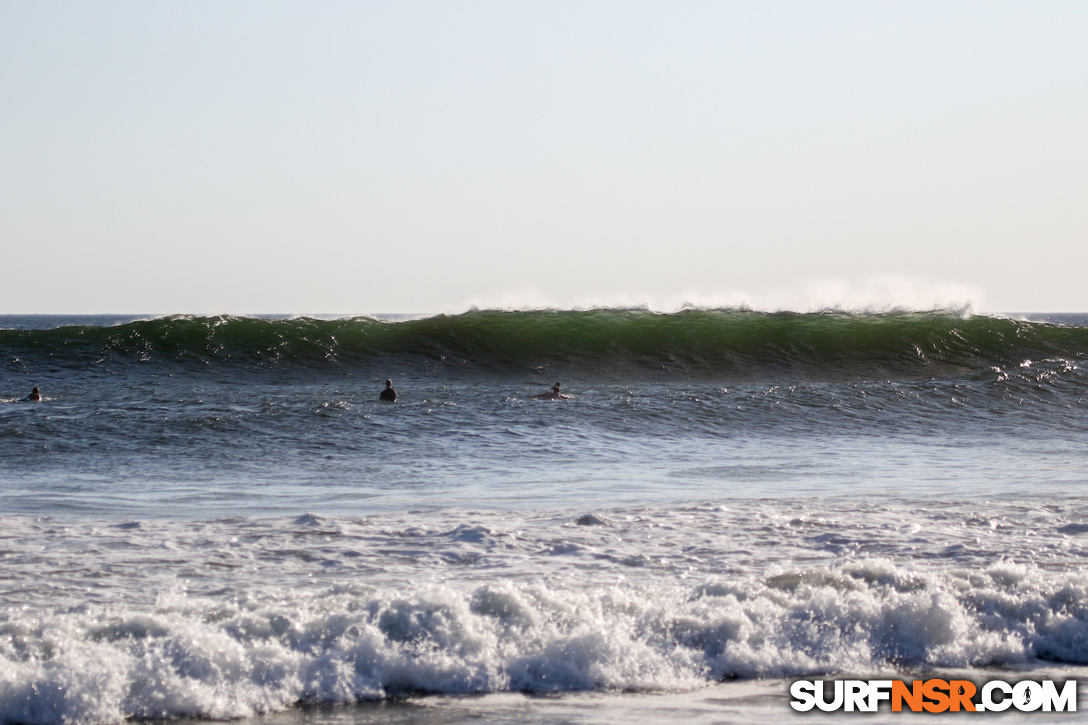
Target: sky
{"x":354,"y":157}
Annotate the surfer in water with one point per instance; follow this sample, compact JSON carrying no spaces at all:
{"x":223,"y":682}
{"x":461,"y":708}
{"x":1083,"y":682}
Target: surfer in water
{"x":555,"y":394}
{"x":34,"y":397}
{"x":388,"y":394}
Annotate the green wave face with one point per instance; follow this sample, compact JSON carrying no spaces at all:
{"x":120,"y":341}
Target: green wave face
{"x":605,"y":344}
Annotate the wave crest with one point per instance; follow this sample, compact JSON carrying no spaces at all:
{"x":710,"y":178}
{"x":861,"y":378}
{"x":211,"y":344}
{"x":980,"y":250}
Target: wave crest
{"x":594,"y":343}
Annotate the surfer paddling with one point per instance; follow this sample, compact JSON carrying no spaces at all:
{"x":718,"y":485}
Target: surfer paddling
{"x":388,"y":394}
{"x":555,"y":394}
{"x":34,"y":397}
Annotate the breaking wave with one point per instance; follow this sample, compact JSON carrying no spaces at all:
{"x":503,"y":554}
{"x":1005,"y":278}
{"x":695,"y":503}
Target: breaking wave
{"x":222,"y":658}
{"x":606,"y":343}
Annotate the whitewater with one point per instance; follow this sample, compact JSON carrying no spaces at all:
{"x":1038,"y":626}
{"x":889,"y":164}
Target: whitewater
{"x":215,"y":518}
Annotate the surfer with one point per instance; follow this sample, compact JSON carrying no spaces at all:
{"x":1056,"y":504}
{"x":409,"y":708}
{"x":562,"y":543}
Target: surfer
{"x":555,"y":394}
{"x":388,"y":394}
{"x":35,"y":396}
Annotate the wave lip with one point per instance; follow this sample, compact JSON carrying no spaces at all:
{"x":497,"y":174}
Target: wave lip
{"x":600,"y":343}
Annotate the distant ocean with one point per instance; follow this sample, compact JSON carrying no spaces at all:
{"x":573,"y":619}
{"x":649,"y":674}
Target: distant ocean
{"x":216,"y":518}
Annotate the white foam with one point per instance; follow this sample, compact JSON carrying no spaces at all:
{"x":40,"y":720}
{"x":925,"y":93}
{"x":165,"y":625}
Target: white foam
{"x":876,"y":294}
{"x":224,"y":658}
{"x":256,"y":615}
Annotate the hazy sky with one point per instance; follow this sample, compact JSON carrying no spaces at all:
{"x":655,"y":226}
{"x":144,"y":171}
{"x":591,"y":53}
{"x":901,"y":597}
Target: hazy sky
{"x":355,"y":157}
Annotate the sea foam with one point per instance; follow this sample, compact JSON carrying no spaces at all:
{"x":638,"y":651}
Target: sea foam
{"x":221,"y":657}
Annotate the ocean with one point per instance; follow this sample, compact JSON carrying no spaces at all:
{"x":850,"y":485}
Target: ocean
{"x":216,"y":518}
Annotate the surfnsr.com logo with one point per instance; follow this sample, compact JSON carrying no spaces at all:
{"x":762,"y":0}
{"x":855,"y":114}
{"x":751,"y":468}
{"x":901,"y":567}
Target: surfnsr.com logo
{"x":933,"y":695}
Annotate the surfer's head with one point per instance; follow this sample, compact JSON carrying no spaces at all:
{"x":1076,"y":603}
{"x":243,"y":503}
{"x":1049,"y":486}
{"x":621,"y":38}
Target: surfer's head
{"x":388,"y":383}
{"x":555,"y":388}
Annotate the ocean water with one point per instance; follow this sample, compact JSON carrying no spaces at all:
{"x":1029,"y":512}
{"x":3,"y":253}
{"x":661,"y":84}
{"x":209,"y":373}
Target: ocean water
{"x":215,"y":518}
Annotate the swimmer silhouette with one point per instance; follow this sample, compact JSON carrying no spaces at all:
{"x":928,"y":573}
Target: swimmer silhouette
{"x":35,"y":396}
{"x":388,"y":394}
{"x":555,"y":394}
